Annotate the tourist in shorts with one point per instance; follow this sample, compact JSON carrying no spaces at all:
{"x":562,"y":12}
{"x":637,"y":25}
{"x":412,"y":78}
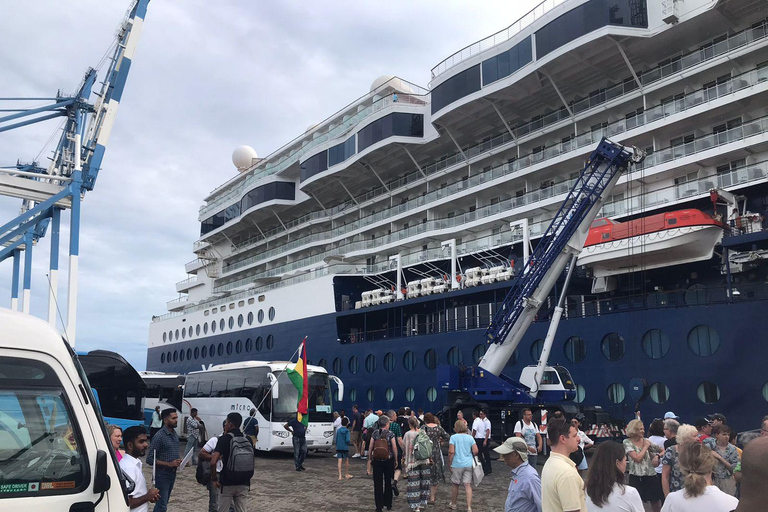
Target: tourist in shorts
{"x":341,"y":440}
{"x":461,"y":449}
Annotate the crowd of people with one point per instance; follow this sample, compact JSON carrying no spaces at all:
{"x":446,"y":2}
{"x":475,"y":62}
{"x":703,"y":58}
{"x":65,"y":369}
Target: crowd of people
{"x":675,"y":468}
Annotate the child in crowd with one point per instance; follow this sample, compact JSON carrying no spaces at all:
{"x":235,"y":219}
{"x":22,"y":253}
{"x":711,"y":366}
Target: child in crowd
{"x":342,"y":446}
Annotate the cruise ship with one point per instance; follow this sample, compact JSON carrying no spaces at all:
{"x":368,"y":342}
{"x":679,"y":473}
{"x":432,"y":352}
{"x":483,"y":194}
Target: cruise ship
{"x":388,"y":233}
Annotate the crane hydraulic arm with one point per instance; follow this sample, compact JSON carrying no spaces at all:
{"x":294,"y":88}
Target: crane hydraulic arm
{"x":563,"y":239}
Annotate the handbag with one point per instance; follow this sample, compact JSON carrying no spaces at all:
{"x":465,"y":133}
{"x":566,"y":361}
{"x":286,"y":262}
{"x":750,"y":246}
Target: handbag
{"x":477,"y":472}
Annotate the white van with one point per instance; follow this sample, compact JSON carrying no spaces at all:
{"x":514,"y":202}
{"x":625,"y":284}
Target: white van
{"x":54,"y":450}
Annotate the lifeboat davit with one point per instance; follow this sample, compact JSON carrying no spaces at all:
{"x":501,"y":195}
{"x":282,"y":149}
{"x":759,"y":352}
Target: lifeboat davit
{"x":656,"y":241}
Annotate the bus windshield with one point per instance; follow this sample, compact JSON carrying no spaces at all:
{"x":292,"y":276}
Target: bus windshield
{"x":120,"y":388}
{"x":320,"y":404}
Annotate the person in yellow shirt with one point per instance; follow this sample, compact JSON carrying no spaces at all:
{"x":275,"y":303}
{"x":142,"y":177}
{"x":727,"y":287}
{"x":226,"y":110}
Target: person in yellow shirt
{"x":562,"y":488}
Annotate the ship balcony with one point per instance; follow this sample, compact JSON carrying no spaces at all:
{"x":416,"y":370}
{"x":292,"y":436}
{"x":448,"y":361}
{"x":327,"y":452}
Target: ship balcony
{"x":187,"y":284}
{"x":177,"y":304}
{"x":193,"y":266}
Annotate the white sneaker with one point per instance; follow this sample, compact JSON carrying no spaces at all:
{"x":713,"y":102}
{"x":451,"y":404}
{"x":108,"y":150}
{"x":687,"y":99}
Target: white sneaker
{"x":356,"y":456}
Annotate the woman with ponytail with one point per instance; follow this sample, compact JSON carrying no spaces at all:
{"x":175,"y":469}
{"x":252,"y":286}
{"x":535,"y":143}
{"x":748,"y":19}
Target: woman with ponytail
{"x":605,"y":487}
{"x":698,"y":494}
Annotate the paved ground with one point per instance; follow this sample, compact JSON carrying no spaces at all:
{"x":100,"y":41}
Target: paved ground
{"x":277,"y":487}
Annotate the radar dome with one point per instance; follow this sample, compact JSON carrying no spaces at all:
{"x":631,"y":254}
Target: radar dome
{"x":243,"y":157}
{"x":393,"y":82}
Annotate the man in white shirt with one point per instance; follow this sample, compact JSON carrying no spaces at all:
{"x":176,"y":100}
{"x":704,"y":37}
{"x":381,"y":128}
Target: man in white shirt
{"x":529,"y":431}
{"x":135,"y":442}
{"x":481,"y":431}
{"x":157,"y":423}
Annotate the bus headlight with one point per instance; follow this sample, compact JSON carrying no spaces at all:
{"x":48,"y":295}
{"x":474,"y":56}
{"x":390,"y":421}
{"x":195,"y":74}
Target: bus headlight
{"x":281,"y":433}
{"x":328,"y":433}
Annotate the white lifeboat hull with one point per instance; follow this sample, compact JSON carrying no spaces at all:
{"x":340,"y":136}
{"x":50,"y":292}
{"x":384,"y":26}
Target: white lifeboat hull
{"x":652,"y":250}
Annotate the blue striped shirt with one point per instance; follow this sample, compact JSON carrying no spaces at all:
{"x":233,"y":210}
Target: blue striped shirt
{"x":524,"y":490}
{"x":164,"y":446}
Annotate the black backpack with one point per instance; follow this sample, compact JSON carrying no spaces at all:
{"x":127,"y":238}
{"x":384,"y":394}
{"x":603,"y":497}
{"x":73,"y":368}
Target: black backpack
{"x":203,"y":473}
{"x":239,"y":467}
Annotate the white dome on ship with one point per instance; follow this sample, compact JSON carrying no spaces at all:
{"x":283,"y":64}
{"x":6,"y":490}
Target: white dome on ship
{"x":243,"y":157}
{"x":393,"y":82}
{"x":311,"y":127}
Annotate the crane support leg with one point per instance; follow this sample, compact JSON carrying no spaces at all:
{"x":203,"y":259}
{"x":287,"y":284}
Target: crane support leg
{"x":53,"y":275}
{"x":15,"y":282}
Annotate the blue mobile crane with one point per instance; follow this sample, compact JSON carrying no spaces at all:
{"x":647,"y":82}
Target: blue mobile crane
{"x":540,"y":386}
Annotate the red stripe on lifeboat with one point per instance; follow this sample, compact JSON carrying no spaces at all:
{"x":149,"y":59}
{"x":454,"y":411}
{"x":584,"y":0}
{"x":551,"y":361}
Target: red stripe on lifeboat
{"x":605,"y":230}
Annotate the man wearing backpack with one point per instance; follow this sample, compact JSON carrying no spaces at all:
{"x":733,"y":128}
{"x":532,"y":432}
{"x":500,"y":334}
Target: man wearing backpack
{"x":236,"y":454}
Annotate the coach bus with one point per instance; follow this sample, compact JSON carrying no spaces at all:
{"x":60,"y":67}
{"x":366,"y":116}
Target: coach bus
{"x":264,"y":386}
{"x":118,"y":387}
{"x":163,"y":389}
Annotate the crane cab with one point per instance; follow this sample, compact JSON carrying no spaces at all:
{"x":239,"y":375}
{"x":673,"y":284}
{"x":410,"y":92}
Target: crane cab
{"x":556,"y":385}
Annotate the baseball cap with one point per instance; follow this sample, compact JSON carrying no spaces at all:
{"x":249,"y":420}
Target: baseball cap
{"x":671,"y":416}
{"x":513,"y":444}
{"x":717,"y":416}
{"x":700,"y":422}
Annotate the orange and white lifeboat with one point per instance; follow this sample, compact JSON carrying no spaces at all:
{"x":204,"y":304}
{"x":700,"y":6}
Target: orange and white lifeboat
{"x":661,"y":240}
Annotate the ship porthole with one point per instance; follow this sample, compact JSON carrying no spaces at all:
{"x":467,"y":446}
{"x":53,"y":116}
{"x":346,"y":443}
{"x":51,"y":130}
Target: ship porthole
{"x":239,"y":320}
{"x":708,"y":392}
{"x":220,"y":350}
{"x":477,"y":353}
{"x":271,"y":314}
{"x":354,"y":365}
{"x":337,"y":366}
{"x":261,"y":316}
{"x":581,"y":394}
{"x":765,"y":391}
{"x":703,"y":340}
{"x":575,"y":349}
{"x":248,"y":345}
{"x":370,"y":363}
{"x":162,"y":360}
{"x":659,"y":392}
{"x":389,"y":394}
{"x":370,"y":394}
{"x":197,"y":330}
{"x":389,"y":362}
{"x":204,"y":351}
{"x":454,"y":357}
{"x":409,"y":394}
{"x":270,"y":342}
{"x":655,"y":343}
{"x":239,"y":346}
{"x":165,"y":337}
{"x":352,"y":394}
{"x":536,"y":348}
{"x":616,"y":393}
{"x":430,"y":359}
{"x":323,"y":363}
{"x":431,"y":394}
{"x":409,"y":360}
{"x":250,"y":318}
{"x":197,"y":352}
{"x":613,"y":346}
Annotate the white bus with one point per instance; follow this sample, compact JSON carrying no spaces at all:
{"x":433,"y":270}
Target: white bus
{"x":239,"y":387}
{"x":163,"y":389}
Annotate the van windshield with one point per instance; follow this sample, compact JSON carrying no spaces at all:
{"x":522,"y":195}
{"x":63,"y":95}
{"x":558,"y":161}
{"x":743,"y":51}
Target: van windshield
{"x":319,"y":391}
{"x":41,"y":450}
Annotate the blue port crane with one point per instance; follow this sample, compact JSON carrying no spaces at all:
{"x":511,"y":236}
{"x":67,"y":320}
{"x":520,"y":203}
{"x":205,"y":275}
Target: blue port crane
{"x":557,"y":250}
{"x":72,"y":172}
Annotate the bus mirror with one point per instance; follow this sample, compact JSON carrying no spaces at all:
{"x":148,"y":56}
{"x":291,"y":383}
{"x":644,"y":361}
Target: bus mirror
{"x":101,"y":480}
{"x":273,"y":385}
{"x":340,"y":385}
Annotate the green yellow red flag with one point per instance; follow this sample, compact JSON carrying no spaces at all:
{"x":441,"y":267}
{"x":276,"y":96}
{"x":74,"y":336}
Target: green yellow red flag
{"x":298,"y":376}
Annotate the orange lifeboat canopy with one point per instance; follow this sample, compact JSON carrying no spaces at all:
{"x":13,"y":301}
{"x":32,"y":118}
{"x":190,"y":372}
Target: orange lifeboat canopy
{"x":605,"y":230}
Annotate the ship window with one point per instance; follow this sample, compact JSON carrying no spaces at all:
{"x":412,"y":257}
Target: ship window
{"x":703,"y":340}
{"x":222,"y":324}
{"x":430,"y":359}
{"x":206,"y":312}
{"x":353,"y":394}
{"x":271,"y":314}
{"x":389,"y":362}
{"x":250,"y":318}
{"x":205,"y":328}
{"x":168,"y":357}
{"x":240,"y":303}
{"x":431,"y":394}
{"x":536,"y":348}
{"x":659,"y":392}
{"x":162,"y":358}
{"x":165,"y":336}
{"x":197,"y":352}
{"x":220,"y":350}
{"x":370,"y":363}
{"x":354,"y":365}
{"x":177,"y":334}
{"x":460,"y":85}
{"x":454,"y":356}
{"x":765,"y":392}
{"x":181,"y":355}
{"x":581,"y":394}
{"x":212,"y":350}
{"x":708,"y":392}
{"x":248,"y":345}
{"x":270,"y":342}
{"x":409,"y":360}
{"x":389,"y":394}
{"x":613,"y":346}
{"x":197,"y":330}
{"x":671,"y":222}
{"x":655,"y":343}
{"x":575,"y":349}
{"x":370,"y":394}
{"x":395,"y":124}
{"x":232,"y":306}
{"x":259,"y":344}
{"x":204,"y":351}
{"x":239,"y":320}
{"x":175,"y":356}
{"x":338,"y":366}
{"x":239,"y":346}
{"x":506,"y":63}
{"x":409,"y":394}
{"x":215,"y":310}
{"x":323,"y":363}
{"x":616,"y":393}
{"x":477,"y":353}
{"x":231,"y":322}
{"x":189,"y":354}
{"x":606,"y":236}
{"x":261,"y":315}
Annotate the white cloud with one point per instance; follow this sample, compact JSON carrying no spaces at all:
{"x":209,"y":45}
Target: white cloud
{"x":206,"y":78}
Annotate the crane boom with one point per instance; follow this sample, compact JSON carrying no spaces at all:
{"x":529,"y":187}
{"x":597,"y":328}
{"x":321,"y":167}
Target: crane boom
{"x":563,"y":239}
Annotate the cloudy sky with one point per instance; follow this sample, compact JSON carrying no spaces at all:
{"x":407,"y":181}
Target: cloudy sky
{"x":207,"y":77}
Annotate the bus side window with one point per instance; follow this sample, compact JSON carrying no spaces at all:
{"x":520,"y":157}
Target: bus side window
{"x":219,"y":388}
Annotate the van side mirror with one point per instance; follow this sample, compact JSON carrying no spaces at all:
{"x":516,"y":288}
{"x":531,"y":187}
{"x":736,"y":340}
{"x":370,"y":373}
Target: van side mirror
{"x":101,"y":480}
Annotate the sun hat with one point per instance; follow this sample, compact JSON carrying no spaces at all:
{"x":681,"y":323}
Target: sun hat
{"x":513,"y":444}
